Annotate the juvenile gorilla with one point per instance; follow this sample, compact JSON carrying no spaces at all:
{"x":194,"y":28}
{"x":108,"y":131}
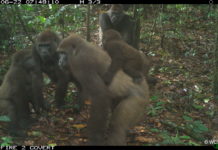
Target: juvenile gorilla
{"x":22,"y":85}
{"x":126,"y":100}
{"x":124,"y":57}
{"x":116,"y":19}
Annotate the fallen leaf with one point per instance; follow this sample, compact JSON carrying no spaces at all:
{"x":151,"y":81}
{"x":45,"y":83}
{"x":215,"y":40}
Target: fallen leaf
{"x":144,"y":139}
{"x":27,"y":143}
{"x":71,"y":119}
{"x":158,"y":124}
{"x":88,"y":102}
{"x":79,"y":126}
{"x":51,"y":143}
{"x":35,"y":133}
{"x":140,"y":129}
{"x":77,"y":134}
{"x":63,"y":139}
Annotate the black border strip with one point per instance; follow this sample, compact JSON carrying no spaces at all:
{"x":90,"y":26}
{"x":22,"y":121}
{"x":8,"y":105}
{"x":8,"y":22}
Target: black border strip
{"x":110,"y":1}
{"x":149,"y":1}
{"x":138,"y":1}
{"x":107,"y":147}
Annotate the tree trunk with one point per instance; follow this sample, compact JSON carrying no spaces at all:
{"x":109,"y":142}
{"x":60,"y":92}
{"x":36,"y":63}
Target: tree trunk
{"x":216,"y":64}
{"x":138,"y":28}
{"x":88,"y":23}
{"x":16,"y":11}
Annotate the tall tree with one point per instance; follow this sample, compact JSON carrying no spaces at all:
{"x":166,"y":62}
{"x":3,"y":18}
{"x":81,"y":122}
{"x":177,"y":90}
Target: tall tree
{"x":216,"y":61}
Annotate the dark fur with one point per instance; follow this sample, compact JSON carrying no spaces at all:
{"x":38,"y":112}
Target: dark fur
{"x":49,"y":66}
{"x":116,"y":19}
{"x":21,"y":85}
{"x":48,"y":63}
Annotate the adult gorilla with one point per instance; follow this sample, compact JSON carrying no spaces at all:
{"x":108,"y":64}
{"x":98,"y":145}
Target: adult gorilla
{"x":125,"y":100}
{"x":116,"y":19}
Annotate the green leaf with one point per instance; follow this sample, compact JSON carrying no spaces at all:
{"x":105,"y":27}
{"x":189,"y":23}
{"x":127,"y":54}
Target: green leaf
{"x":187,"y":118}
{"x":200,"y":126}
{"x":154,"y":98}
{"x":197,"y":106}
{"x":41,"y":19}
{"x":193,"y":143}
{"x":70,"y":118}
{"x":7,"y":141}
{"x":206,"y":100}
{"x":185,"y":137}
{"x":158,"y":107}
{"x":5,"y":119}
{"x":154,"y":130}
{"x":52,"y":144}
{"x":36,"y":133}
{"x":47,"y":80}
{"x":159,"y":103}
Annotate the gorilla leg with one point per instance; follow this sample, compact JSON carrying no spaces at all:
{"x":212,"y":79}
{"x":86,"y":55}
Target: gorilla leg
{"x":127,"y":113}
{"x":95,"y":87}
{"x":81,"y":97}
{"x":37,"y":98}
{"x":61,"y":91}
{"x":19,"y":115}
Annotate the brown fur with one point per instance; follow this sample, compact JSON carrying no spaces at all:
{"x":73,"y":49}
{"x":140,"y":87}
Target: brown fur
{"x":48,"y":36}
{"x":124,"y":57}
{"x":87,"y":64}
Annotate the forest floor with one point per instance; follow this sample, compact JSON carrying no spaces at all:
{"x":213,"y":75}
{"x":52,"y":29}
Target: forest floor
{"x":182,"y":101}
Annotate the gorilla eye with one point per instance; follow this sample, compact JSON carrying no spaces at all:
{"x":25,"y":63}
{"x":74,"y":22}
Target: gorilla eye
{"x":44,"y":45}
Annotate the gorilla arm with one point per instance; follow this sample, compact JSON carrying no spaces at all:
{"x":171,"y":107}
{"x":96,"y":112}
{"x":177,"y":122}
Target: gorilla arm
{"x":38,"y":99}
{"x":90,"y":79}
